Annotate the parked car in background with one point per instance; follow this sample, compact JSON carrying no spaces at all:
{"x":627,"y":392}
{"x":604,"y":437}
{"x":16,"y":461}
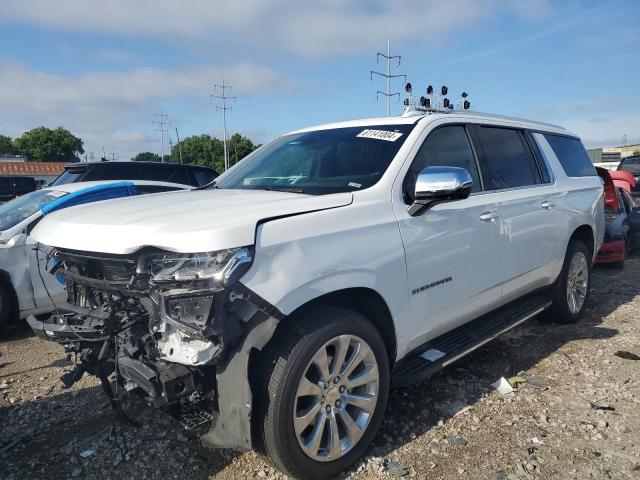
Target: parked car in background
{"x":617,"y":236}
{"x":624,"y":180}
{"x":279,"y":305}
{"x":12,"y":186}
{"x":24,"y":290}
{"x":632,"y":207}
{"x":632,"y":165}
{"x":193,"y":175}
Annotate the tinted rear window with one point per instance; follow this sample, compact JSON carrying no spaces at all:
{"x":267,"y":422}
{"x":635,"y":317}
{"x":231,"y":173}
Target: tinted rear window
{"x":572,"y":155}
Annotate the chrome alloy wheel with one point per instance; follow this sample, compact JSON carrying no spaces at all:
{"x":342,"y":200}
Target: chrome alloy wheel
{"x":336,"y":398}
{"x":577,"y":282}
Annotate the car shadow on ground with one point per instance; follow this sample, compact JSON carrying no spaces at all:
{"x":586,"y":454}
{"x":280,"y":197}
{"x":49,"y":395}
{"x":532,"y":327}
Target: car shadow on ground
{"x":44,"y":436}
{"x":416,"y":409}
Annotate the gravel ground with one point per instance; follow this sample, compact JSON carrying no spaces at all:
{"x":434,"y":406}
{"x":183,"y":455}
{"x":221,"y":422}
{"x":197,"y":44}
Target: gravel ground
{"x":576,"y":416}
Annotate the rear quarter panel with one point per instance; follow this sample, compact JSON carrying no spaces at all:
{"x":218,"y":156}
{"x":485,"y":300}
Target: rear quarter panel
{"x":579,"y":201}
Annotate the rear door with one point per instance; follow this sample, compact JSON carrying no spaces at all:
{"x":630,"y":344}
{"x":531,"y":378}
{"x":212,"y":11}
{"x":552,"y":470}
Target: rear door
{"x":527,"y":199}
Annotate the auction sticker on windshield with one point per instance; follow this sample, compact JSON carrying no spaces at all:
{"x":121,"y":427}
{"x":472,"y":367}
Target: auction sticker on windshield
{"x":380,"y":135}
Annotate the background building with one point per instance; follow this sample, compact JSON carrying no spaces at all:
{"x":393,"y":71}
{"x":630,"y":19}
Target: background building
{"x":47,"y":171}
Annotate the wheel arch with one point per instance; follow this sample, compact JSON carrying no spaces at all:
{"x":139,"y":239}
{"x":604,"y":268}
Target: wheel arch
{"x":363,"y":300}
{"x":586,"y":235}
{"x":5,"y":282}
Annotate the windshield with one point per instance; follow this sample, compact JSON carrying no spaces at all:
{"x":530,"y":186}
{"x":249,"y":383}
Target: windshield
{"x":15,"y":211}
{"x":320,"y":162}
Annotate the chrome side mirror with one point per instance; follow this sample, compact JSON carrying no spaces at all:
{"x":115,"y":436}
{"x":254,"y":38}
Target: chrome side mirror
{"x":440,"y":184}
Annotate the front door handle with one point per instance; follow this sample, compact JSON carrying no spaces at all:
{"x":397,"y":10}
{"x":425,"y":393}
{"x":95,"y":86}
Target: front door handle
{"x":489,"y":216}
{"x":547,"y":205}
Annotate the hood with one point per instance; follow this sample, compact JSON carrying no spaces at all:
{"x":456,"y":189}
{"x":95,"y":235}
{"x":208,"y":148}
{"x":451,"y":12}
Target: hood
{"x":184,"y":222}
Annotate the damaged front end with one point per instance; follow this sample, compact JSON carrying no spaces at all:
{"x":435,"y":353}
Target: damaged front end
{"x":170,"y":327}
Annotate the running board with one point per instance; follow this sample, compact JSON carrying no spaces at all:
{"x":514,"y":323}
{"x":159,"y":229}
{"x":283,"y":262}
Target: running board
{"x":449,"y":347}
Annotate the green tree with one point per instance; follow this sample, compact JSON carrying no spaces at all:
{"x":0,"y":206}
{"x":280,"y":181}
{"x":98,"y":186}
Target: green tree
{"x":239,"y":147}
{"x":209,"y":151}
{"x":46,"y":145}
{"x":7,"y":146}
{"x":636,"y":153}
{"x":147,"y":157}
{"x":199,"y":150}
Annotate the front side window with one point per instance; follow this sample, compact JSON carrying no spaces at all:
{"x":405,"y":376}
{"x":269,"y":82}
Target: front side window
{"x":506,"y":158}
{"x":321,"y":161}
{"x":15,"y":211}
{"x":572,"y":156}
{"x":444,"y":147}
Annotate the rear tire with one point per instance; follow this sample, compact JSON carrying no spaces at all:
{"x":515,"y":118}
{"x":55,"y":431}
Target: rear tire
{"x":571,"y":290}
{"x":304,"y":412}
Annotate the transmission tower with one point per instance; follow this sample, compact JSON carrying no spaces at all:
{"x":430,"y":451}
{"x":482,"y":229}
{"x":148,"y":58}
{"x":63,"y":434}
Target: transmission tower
{"x":388,"y":75}
{"x":224,"y":109}
{"x":161,"y":119}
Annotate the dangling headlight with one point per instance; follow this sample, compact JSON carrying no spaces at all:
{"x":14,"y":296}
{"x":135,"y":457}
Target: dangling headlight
{"x":218,"y":267}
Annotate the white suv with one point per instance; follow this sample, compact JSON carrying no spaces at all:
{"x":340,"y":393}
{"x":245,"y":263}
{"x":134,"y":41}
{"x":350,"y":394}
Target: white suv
{"x":281,"y":304}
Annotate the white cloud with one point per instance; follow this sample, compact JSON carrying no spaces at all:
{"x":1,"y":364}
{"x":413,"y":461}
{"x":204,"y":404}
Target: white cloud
{"x":317,"y":28}
{"x":600,"y":121}
{"x":116,"y":108}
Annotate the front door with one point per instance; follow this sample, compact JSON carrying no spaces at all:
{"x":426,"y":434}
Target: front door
{"x":453,"y":254}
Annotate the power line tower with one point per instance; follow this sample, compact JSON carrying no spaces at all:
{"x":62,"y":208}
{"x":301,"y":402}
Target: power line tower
{"x":224,"y":109}
{"x":388,"y":75}
{"x":162,"y":120}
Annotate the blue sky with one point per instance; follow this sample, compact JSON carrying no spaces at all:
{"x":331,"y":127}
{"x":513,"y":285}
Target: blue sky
{"x":102,"y":69}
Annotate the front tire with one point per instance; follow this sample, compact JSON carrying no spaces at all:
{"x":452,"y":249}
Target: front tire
{"x":571,"y":290}
{"x":6,"y":307}
{"x":327,"y":384}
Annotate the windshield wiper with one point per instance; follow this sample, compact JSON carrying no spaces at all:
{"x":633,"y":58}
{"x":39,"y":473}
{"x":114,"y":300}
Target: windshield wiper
{"x":283,"y":189}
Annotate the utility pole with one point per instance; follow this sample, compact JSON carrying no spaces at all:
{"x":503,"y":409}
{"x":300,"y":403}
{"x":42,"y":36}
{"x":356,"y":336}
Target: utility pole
{"x":161,"y":122}
{"x":224,"y":109}
{"x":388,"y":75}
{"x":179,"y":148}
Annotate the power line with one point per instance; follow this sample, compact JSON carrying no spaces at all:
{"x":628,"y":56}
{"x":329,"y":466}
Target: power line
{"x":224,"y":109}
{"x":162,"y":120}
{"x":388,"y":75}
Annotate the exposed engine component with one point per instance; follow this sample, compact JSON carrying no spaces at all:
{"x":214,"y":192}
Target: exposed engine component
{"x":159,"y":321}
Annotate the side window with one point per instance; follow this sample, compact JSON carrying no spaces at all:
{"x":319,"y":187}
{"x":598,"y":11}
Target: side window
{"x":202,"y":176}
{"x":179,"y":175}
{"x":157,"y":172}
{"x":506,"y":158}
{"x":444,"y":147}
{"x":572,"y":155}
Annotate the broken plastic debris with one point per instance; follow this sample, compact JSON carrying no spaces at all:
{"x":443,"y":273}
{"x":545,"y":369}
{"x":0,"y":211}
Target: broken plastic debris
{"x":606,"y":408}
{"x":87,"y":453}
{"x":502,"y":386}
{"x":516,"y":380}
{"x":626,"y":355}
{"x":396,"y":468}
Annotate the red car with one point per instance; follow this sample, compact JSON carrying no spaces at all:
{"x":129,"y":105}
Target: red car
{"x":617,"y":236}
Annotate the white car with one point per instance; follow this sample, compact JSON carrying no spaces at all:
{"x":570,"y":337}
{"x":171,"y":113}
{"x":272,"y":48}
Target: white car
{"x":22,"y":289}
{"x":327,"y":265}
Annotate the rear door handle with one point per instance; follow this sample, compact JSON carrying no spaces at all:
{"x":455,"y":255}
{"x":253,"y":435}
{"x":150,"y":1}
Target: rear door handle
{"x":547,"y":205}
{"x":489,"y":216}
